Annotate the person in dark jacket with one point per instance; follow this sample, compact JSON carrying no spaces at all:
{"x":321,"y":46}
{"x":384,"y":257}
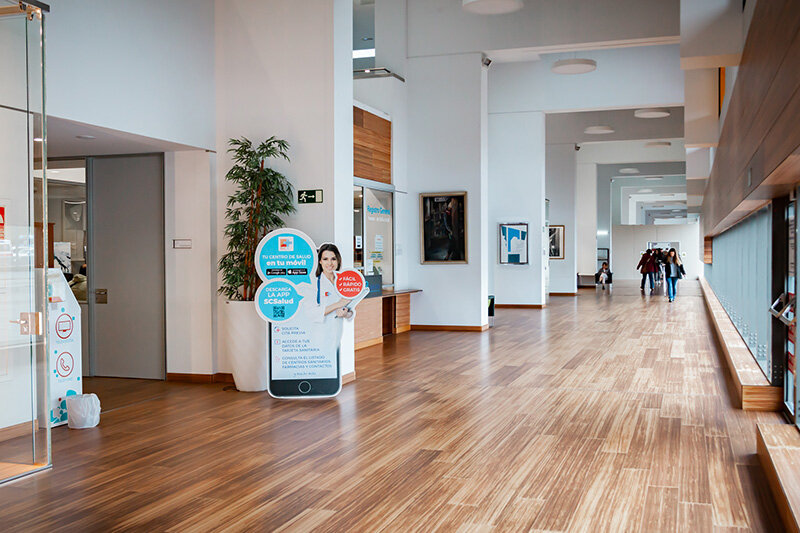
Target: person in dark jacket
{"x":647,"y":266}
{"x":660,"y":256}
{"x":673,"y":270}
{"x":603,"y":275}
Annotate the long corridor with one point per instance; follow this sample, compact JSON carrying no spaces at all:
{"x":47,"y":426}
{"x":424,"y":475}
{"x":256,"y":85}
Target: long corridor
{"x":603,"y":412}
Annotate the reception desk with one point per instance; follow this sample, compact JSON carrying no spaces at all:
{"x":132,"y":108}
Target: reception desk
{"x":382,"y":315}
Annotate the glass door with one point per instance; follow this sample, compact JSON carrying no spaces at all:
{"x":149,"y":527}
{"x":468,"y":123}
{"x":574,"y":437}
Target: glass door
{"x":25,"y":412}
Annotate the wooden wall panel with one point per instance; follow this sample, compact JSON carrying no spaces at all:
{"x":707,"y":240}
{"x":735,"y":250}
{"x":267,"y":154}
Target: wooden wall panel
{"x":372,"y":146}
{"x":369,"y":322}
{"x":759,"y":137}
{"x":402,"y":313}
{"x":708,"y":249}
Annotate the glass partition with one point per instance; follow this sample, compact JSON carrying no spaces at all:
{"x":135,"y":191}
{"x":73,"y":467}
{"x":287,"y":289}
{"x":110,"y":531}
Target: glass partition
{"x":741,"y":277}
{"x":378,"y":234}
{"x":373,"y":232}
{"x":25,"y":412}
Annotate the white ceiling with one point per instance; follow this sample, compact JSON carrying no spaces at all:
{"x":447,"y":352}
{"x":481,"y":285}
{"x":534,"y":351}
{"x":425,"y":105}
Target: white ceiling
{"x":568,"y":127}
{"x":62,"y":141}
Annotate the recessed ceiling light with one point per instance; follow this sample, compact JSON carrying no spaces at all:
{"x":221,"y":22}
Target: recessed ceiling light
{"x":573,"y":66}
{"x":491,"y":7}
{"x":645,"y":190}
{"x":651,"y":113}
{"x":657,"y":144}
{"x":629,"y":170}
{"x":598,"y":130}
{"x":85,"y":137}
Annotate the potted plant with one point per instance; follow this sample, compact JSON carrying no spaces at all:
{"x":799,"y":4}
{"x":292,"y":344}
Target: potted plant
{"x":262,"y":198}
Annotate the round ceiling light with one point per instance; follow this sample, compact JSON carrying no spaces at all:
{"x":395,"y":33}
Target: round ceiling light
{"x":573,"y":66}
{"x":651,"y":113}
{"x":629,"y":170}
{"x":598,"y":130}
{"x":491,"y":7}
{"x":657,"y":144}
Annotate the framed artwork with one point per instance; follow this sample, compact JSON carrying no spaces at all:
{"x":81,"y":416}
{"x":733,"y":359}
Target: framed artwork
{"x":443,"y":227}
{"x":556,"y":242}
{"x":514,"y":244}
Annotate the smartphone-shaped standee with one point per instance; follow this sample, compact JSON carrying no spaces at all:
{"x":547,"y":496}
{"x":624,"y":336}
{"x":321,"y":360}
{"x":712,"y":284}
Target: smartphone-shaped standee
{"x":303,"y":360}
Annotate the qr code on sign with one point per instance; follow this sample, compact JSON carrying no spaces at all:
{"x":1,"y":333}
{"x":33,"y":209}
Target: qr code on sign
{"x":279,"y":312}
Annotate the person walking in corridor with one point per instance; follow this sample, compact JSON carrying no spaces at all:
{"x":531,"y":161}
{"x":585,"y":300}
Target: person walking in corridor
{"x":673,"y":269}
{"x":647,"y":266}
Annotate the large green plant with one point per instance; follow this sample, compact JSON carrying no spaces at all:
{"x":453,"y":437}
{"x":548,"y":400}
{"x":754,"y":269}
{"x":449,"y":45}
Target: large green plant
{"x":263,"y":196}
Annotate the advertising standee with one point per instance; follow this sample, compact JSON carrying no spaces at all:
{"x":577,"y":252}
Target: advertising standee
{"x":303,"y":339}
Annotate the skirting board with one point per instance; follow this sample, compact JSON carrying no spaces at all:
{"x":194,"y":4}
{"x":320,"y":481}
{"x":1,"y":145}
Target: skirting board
{"x":563,"y":294}
{"x":520,"y":306}
{"x":425,"y":327}
{"x":222,"y":377}
{"x":219,"y":377}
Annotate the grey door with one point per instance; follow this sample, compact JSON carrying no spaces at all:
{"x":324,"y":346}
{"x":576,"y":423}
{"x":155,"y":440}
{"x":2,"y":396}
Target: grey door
{"x":126,"y":266}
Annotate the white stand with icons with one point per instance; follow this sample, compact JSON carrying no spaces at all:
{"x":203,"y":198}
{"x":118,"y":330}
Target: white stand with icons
{"x":64,"y":323}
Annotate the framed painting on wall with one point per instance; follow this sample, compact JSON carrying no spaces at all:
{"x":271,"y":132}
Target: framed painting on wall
{"x":443,"y":227}
{"x":556,"y":242}
{"x":514,"y":244}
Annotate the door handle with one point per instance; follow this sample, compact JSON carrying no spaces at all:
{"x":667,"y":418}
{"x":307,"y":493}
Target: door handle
{"x":29,"y":323}
{"x":101,"y":296}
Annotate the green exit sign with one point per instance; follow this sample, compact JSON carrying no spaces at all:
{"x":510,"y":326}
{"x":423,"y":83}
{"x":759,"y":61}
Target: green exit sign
{"x":309,"y":196}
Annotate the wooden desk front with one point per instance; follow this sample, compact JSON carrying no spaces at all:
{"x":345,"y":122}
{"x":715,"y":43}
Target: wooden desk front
{"x":387,"y":314}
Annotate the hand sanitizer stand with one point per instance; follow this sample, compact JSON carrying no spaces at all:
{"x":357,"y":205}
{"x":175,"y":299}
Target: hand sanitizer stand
{"x":64,"y":323}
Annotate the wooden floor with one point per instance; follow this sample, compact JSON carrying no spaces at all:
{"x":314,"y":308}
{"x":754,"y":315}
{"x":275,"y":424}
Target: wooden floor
{"x":599,"y":413}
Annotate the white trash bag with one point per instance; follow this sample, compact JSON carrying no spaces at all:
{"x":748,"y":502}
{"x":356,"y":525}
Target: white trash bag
{"x":83,"y":411}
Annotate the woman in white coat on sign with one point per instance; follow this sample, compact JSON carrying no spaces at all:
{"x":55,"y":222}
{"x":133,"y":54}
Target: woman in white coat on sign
{"x":326,"y":306}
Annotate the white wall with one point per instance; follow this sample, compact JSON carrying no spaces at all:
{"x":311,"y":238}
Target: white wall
{"x":391,"y":35}
{"x":586,"y":218}
{"x":516,"y":194}
{"x":390,"y":96}
{"x":631,"y":241}
{"x":190,"y":273}
{"x":438,"y":27}
{"x":446,"y":153}
{"x":285,"y":69}
{"x":561,"y":190}
{"x":700,"y":117}
{"x":711,"y":33}
{"x":625,"y":78}
{"x":144,"y":67}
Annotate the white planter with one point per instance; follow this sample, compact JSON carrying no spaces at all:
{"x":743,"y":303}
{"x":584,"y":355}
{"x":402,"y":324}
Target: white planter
{"x":245,"y":337}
